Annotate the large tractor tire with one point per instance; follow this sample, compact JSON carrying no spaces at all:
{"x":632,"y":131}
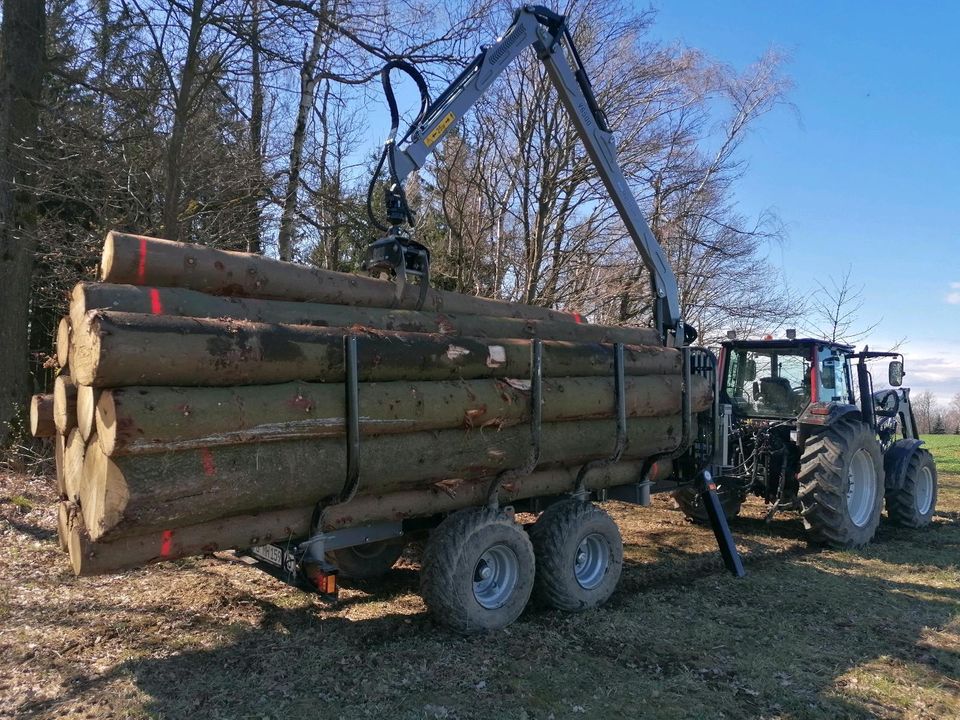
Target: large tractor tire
{"x":478,"y":570}
{"x":913,"y":504}
{"x":688,"y":501}
{"x":364,"y":562}
{"x":579,"y":555}
{"x":841,"y":485}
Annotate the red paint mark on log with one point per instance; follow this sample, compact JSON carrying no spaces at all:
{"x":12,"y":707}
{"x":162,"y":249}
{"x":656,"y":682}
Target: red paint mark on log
{"x":156,"y":307}
{"x":577,"y":317}
{"x":142,"y":266}
{"x":166,"y":543}
{"x":206,"y":457}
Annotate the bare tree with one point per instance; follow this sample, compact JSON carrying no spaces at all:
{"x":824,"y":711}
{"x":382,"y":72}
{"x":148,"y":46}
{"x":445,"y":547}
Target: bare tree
{"x":925,"y":410}
{"x":835,"y":311}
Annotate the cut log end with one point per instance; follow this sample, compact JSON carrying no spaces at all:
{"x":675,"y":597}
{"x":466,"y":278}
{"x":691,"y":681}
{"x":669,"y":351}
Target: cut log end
{"x":106,"y":259}
{"x":63,"y":342}
{"x":64,"y":404}
{"x":74,"y":453}
{"x":41,"y":416}
{"x":86,"y":410}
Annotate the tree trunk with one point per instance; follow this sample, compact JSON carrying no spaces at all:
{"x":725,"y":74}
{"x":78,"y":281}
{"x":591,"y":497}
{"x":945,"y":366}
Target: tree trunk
{"x":135,"y":493}
{"x":171,"y":199}
{"x":64,"y":404}
{"x":21,"y":76}
{"x":150,"y":420}
{"x":116,"y":349}
{"x":189,"y":303}
{"x":41,"y":416}
{"x":308,"y":82}
{"x":139,"y":260}
{"x":256,"y":128}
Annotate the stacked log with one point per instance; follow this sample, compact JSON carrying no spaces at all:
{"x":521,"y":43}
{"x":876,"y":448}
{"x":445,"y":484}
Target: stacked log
{"x":202,"y":403}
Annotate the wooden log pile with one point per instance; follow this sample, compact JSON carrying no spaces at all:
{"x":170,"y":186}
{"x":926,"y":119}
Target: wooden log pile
{"x":202,"y":402}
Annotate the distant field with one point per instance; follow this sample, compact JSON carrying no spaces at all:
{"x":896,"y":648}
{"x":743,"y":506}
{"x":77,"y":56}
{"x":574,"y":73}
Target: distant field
{"x":807,"y":634}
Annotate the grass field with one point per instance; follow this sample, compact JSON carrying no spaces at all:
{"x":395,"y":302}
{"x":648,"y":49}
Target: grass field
{"x":807,"y":634}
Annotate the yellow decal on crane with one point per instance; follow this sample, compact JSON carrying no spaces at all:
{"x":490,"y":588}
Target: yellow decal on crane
{"x":441,"y":127}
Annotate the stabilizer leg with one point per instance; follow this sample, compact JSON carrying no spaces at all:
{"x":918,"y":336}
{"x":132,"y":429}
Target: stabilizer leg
{"x":718,"y":521}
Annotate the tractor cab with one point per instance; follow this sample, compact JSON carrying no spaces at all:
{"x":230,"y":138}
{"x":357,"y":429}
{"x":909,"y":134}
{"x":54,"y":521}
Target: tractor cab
{"x":781,"y":379}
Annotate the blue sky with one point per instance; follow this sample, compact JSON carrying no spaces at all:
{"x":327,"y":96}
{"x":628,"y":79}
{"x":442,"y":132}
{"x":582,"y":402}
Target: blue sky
{"x":866,"y":169}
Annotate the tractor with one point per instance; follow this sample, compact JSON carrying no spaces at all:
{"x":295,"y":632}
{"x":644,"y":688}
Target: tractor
{"x":800,"y":425}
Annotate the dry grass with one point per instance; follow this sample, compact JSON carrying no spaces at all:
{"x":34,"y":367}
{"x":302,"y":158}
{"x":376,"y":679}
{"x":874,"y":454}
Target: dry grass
{"x":807,"y":634}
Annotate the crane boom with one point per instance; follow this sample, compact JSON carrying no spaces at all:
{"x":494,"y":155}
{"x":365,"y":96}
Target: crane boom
{"x":547,"y":32}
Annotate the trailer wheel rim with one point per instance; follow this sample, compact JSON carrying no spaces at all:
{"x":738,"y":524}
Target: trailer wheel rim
{"x":495,"y":577}
{"x":591,"y":561}
{"x":861,"y":488}
{"x":924,"y":490}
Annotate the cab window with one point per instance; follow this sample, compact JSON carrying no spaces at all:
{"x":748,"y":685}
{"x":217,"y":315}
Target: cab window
{"x":832,"y":380}
{"x":769,"y":382}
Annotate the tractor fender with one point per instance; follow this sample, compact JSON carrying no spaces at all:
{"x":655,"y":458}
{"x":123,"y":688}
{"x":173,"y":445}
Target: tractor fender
{"x":895,"y":462}
{"x":814,"y":416}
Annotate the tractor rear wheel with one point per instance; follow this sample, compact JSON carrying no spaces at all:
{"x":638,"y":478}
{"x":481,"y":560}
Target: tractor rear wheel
{"x":841,"y":485}
{"x":913,"y":504}
{"x":478,"y":569}
{"x":688,"y":500}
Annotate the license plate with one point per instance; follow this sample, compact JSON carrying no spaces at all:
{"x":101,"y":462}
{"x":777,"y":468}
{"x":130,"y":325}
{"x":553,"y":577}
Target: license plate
{"x":268,"y":553}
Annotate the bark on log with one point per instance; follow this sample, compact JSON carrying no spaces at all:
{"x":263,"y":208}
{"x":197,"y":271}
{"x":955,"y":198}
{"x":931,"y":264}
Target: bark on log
{"x":63,"y":342}
{"x":41,"y":416}
{"x":162,"y":419}
{"x":87,"y":410}
{"x":63,"y":524}
{"x":139,"y":260}
{"x":243,"y":531}
{"x":188,"y":303}
{"x":113,"y":349}
{"x":74,"y":453}
{"x":135,"y":493}
{"x":64,"y":404}
{"x":59,"y":452}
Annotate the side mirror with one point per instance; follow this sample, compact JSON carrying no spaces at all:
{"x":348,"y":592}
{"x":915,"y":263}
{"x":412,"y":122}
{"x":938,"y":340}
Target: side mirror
{"x":828,"y":374}
{"x":750,"y":369}
{"x":895,"y":373}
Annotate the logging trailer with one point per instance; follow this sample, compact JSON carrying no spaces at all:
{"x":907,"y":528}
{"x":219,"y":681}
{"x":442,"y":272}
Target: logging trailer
{"x":480,"y":566}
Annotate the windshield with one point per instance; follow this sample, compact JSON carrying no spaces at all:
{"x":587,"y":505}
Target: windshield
{"x":769,"y":383}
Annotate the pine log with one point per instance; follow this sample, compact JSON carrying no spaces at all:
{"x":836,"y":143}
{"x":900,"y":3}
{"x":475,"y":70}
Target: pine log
{"x":87,"y":409}
{"x":41,"y":416}
{"x":113,"y":349}
{"x":59,"y":451}
{"x":162,"y":419}
{"x":139,"y":260}
{"x":63,"y":342}
{"x":244,"y":531}
{"x":135,"y":493}
{"x":74,"y":453}
{"x":188,"y":303}
{"x":64,"y":404}
{"x":63,"y":523}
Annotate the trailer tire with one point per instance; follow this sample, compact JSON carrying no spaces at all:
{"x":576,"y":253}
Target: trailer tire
{"x":841,"y":485}
{"x":364,"y":562}
{"x":478,"y":569}
{"x":579,"y":555}
{"x":688,"y":502}
{"x":914,"y":504}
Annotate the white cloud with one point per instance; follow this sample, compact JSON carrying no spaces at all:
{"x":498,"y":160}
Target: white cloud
{"x":953,"y":297}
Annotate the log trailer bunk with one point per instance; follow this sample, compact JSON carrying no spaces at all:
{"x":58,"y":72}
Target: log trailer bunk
{"x":478,"y":566}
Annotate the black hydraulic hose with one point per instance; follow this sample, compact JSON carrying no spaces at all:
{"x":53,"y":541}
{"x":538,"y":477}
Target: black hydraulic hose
{"x":391,"y":141}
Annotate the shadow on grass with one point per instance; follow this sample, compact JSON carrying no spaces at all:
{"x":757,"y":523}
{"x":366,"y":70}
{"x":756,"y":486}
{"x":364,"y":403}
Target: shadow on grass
{"x":680,"y":639}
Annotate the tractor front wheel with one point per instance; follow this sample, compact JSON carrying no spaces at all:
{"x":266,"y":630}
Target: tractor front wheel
{"x":913,"y":504}
{"x":841,"y":485}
